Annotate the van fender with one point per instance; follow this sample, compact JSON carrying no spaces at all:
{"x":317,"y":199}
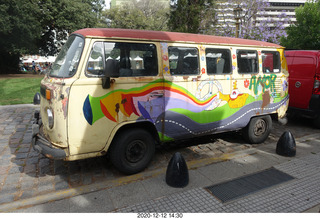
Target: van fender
{"x":145,"y":124}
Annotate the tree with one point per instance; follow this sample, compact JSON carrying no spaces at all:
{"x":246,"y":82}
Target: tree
{"x":33,"y":26}
{"x":305,"y":33}
{"x":59,"y":18}
{"x":19,"y":30}
{"x":254,"y":24}
{"x":143,"y":14}
{"x":192,"y":16}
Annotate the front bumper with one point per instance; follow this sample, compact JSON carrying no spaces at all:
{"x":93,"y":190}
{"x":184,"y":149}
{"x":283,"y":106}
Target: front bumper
{"x":41,"y":144}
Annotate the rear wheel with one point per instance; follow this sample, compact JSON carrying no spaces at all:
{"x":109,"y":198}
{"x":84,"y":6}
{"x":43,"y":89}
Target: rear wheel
{"x":132,"y":150}
{"x":258,"y":129}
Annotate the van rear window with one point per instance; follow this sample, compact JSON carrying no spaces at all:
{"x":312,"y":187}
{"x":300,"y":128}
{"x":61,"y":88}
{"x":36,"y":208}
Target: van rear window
{"x":271,"y":62}
{"x":247,"y":61}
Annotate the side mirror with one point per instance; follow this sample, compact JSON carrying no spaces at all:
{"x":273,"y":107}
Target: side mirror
{"x":111,"y":70}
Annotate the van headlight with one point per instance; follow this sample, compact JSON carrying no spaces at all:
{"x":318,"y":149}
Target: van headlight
{"x":50,"y":118}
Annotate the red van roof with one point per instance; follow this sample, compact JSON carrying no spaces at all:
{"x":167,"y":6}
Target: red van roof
{"x":170,"y":37}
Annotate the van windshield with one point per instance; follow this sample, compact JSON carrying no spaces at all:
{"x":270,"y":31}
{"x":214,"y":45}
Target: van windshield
{"x":68,"y":59}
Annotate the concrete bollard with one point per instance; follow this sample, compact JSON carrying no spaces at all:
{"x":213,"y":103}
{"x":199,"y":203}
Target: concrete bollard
{"x":286,"y":145}
{"x":177,"y":172}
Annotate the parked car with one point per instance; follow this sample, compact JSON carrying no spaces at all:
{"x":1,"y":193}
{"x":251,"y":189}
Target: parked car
{"x":304,"y":83}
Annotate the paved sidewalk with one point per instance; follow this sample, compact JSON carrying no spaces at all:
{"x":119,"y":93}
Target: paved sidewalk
{"x":29,"y":182}
{"x":152,"y":194}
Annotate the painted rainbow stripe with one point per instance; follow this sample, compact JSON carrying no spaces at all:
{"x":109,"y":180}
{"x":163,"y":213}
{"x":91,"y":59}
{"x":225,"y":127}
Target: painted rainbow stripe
{"x":139,"y":101}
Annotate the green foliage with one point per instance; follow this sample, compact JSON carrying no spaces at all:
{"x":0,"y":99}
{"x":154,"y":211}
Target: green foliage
{"x":18,"y":31}
{"x":59,"y":18}
{"x":18,"y":90}
{"x":19,"y":26}
{"x":192,"y":16}
{"x":143,"y":14}
{"x":305,"y":34}
{"x":29,"y":25}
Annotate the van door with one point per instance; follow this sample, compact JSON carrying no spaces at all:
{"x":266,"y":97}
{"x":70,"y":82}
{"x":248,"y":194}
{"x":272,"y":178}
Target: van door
{"x":135,"y":95}
{"x":301,"y":80}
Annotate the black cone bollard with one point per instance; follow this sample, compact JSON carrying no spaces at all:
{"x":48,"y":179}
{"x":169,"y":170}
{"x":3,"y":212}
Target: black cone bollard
{"x":286,"y":145}
{"x":36,"y":99}
{"x":177,"y":172}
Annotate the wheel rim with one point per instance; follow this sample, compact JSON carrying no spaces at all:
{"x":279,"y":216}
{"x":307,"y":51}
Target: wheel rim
{"x":136,"y":151}
{"x":260,"y":127}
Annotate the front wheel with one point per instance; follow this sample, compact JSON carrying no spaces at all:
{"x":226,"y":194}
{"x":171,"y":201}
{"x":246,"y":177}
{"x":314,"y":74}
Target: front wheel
{"x":258,"y":129}
{"x":132,"y":150}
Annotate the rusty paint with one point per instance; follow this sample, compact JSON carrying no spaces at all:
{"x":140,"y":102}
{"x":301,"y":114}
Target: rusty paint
{"x":195,"y":79}
{"x":65,"y":107}
{"x":265,"y":99}
{"x":117,"y":108}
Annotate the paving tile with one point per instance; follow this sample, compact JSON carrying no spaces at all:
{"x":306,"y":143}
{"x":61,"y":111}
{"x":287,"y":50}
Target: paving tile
{"x":98,"y":202}
{"x":127,"y":194}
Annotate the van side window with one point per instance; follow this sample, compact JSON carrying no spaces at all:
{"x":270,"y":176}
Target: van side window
{"x":95,"y":62}
{"x":123,"y":59}
{"x":183,"y":60}
{"x":271,"y":62}
{"x":134,"y":59}
{"x":218,"y":61}
{"x":247,"y":61}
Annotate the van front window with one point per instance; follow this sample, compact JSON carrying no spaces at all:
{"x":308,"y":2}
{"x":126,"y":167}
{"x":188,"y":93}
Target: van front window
{"x":68,"y":59}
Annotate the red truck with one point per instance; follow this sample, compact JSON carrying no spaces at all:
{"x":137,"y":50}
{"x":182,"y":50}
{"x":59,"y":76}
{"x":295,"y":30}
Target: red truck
{"x":304,"y":83}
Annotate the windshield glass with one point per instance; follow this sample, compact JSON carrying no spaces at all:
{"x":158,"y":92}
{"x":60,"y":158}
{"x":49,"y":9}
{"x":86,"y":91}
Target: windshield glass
{"x":67,"y":61}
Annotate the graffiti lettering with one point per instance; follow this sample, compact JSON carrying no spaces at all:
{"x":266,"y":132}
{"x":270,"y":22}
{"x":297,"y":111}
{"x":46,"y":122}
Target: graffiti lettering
{"x":267,"y":81}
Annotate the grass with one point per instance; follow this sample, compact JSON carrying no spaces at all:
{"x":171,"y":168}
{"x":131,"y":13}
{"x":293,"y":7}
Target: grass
{"x":18,"y":90}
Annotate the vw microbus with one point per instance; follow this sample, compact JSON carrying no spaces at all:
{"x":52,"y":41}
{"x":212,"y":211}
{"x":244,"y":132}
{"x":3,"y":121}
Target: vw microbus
{"x":121,"y":92}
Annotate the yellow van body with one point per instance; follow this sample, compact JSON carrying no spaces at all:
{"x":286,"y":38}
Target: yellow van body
{"x":122,"y":91}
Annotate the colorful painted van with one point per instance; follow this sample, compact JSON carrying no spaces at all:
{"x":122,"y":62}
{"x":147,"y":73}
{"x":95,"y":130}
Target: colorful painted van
{"x":123,"y":91}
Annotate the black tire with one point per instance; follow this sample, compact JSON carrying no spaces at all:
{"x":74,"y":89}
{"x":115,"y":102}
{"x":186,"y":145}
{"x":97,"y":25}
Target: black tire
{"x":316,"y":122}
{"x":132,"y":150}
{"x":258,"y":129}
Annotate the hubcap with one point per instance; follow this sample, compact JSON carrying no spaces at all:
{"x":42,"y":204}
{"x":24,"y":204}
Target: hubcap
{"x":135,"y":151}
{"x":260,"y":127}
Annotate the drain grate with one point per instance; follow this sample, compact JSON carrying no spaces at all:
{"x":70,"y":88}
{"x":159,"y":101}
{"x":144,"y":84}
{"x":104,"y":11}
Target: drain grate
{"x":249,"y":184}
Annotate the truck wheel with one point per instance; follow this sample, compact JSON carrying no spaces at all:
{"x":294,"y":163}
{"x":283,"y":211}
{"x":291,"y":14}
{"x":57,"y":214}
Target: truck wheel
{"x":132,"y":150}
{"x":258,"y":129}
